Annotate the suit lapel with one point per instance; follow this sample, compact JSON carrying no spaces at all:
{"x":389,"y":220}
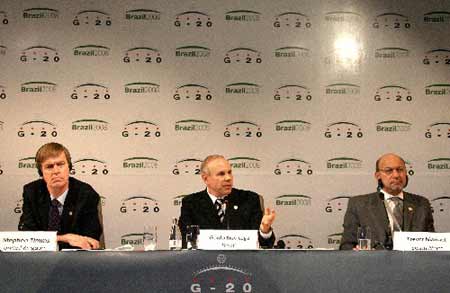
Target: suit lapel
{"x":207,"y":208}
{"x":380,"y":218}
{"x":69,"y":210}
{"x":43,"y":204}
{"x":409,"y":207}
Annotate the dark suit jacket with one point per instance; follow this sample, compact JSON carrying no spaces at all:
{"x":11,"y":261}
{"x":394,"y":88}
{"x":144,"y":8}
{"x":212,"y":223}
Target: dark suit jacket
{"x":369,"y":210}
{"x":79,"y":216}
{"x":243,"y":212}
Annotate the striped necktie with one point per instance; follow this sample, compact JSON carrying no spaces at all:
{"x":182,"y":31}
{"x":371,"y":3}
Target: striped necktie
{"x":219,"y":207}
{"x":397,"y":212}
{"x":54,"y":218}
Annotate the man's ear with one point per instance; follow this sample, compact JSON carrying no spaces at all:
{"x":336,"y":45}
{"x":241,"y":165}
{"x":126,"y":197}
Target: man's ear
{"x":204,"y":177}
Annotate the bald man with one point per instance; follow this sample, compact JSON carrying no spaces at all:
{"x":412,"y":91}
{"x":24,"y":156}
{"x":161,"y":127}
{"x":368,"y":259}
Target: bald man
{"x":388,"y":210}
{"x":239,"y":209}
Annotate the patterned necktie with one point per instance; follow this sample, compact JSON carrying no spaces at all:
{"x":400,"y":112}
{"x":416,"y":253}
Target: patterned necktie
{"x":220,"y":212}
{"x":397,"y":212}
{"x":54,"y":219}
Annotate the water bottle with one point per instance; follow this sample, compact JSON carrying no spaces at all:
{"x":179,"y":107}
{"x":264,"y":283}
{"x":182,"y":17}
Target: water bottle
{"x":175,"y":236}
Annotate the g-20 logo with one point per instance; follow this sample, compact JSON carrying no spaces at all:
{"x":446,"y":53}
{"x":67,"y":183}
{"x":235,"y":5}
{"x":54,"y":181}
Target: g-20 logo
{"x":243,"y":55}
{"x":437,"y":56}
{"x":187,"y":166}
{"x":3,"y":17}
{"x":193,"y":92}
{"x":293,"y":92}
{"x":141,"y":128}
{"x":292,"y":20}
{"x":242,"y":129}
{"x":438,"y":130}
{"x":89,"y":167}
{"x":343,"y":130}
{"x":297,"y":241}
{"x":337,"y":204}
{"x":440,"y":204}
{"x":142,"y":55}
{"x":40,"y":54}
{"x":293,"y":167}
{"x":37,"y":128}
{"x":393,"y":93}
{"x":92,"y":17}
{"x":91,"y":91}
{"x":139,"y":204}
{"x":193,"y":19}
{"x":391,"y":21}
{"x":221,"y":277}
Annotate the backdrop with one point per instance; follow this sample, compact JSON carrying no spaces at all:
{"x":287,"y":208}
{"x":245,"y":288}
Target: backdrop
{"x":301,"y":96}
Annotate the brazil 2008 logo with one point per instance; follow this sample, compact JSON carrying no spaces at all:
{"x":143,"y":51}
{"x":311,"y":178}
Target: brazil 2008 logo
{"x":221,"y":277}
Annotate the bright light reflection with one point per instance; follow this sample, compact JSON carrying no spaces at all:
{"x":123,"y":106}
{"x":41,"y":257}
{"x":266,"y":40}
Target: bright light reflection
{"x":348,"y":50}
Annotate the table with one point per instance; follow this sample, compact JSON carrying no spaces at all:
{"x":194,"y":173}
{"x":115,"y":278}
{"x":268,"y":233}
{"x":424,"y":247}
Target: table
{"x":226,"y":271}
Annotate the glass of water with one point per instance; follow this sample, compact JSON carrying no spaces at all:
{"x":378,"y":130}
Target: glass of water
{"x":192,"y":232}
{"x":364,"y":237}
{"x":150,"y":237}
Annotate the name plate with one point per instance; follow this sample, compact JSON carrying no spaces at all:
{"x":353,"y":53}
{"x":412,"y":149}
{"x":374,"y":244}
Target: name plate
{"x":228,"y":239}
{"x":28,"y":241}
{"x":421,"y":241}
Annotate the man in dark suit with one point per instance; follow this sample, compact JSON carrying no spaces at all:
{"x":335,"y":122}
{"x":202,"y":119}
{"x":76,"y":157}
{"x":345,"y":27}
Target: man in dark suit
{"x":238,"y":210}
{"x":388,"y":210}
{"x":59,"y":203}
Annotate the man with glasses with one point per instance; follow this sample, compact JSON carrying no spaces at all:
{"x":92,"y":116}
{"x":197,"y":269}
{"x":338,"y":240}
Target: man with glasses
{"x":388,"y":210}
{"x":57,"y":202}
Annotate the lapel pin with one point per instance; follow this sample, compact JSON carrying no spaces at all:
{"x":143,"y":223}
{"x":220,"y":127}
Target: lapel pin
{"x":70,"y":213}
{"x":410,"y":209}
{"x":235,"y":207}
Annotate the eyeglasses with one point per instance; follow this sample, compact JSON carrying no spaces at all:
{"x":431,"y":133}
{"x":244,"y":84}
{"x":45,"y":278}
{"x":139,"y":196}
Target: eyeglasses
{"x":389,"y":171}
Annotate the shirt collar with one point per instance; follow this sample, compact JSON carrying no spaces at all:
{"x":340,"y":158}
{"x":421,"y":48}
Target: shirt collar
{"x":213,"y":197}
{"x":388,"y":196}
{"x":61,"y":198}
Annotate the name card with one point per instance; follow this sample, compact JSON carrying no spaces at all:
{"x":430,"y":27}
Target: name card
{"x":28,"y":241}
{"x":228,"y":239}
{"x":421,"y":241}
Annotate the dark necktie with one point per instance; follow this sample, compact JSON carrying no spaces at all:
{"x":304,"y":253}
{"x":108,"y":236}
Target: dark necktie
{"x":54,"y":219}
{"x":398,"y":213}
{"x":220,"y":212}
